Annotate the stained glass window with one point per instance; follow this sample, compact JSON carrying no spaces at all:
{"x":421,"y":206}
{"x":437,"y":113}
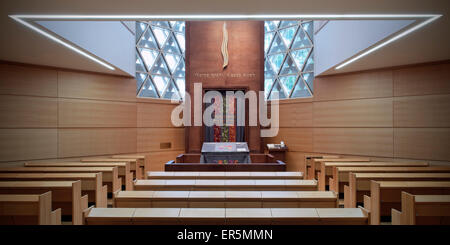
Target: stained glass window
{"x":160,"y":59}
{"x":289,"y":58}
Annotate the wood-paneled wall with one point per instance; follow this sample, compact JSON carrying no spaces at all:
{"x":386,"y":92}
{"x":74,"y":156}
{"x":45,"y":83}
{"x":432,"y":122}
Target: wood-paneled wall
{"x":399,"y":113}
{"x":49,"y":113}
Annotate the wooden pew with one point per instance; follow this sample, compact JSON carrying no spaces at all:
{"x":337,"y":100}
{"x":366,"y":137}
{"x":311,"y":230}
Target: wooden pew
{"x":316,"y":166}
{"x":309,"y":159}
{"x":225,"y":185}
{"x":140,"y":158}
{"x":18,"y":209}
{"x":341,"y":174}
{"x":109,"y":174}
{"x":422,"y":210}
{"x":225,"y":199}
{"x":91,"y":183}
{"x":226,"y":216}
{"x":359,"y":183}
{"x":385,"y":195}
{"x":65,"y":195}
{"x":224,"y":175}
{"x":326,"y":169}
{"x":134,"y":166}
{"x":124,"y":171}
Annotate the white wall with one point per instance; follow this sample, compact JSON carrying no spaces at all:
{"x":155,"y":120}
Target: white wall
{"x":339,"y":40}
{"x":108,"y":40}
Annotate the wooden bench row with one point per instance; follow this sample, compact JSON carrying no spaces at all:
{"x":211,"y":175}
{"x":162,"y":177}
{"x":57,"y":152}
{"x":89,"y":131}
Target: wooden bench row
{"x":309,"y":160}
{"x":225,"y":184}
{"x":359,"y":183}
{"x":386,"y":195}
{"x":340,"y":175}
{"x":325,"y":171}
{"x":91,"y":183}
{"x":226,"y":216}
{"x":225,"y":199}
{"x":422,"y":210}
{"x":110,"y":175}
{"x":316,"y":163}
{"x":28,"y":210}
{"x":224,"y":175}
{"x":65,"y":195}
{"x":136,"y":164}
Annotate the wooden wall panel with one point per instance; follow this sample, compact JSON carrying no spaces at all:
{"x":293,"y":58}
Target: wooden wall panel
{"x":102,"y":141}
{"x":422,"y":80}
{"x":362,"y":85}
{"x":154,"y":115}
{"x":25,"y":144}
{"x":149,"y":139}
{"x":354,"y":113}
{"x":295,"y":161}
{"x":296,"y":115}
{"x":297,"y":139}
{"x":96,"y":86}
{"x":23,"y":80}
{"x":91,"y":113}
{"x":422,"y":143}
{"x":28,"y":112}
{"x":422,"y":111}
{"x":354,"y":141}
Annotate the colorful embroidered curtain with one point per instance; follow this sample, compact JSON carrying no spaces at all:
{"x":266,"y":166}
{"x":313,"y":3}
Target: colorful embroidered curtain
{"x":225,"y":133}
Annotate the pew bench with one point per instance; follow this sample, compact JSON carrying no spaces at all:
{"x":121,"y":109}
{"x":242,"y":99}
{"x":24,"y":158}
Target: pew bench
{"x":225,"y":199}
{"x":134,"y":164}
{"x":341,"y":174}
{"x":124,"y":171}
{"x":385,"y":195}
{"x":309,"y":161}
{"x":223,"y":175}
{"x":139,"y":158}
{"x":65,"y":195}
{"x":359,"y":183}
{"x":21,"y":209}
{"x":316,"y":166}
{"x":226,"y":216}
{"x":110,"y":175}
{"x":326,"y":168}
{"x":91,"y":183}
{"x":422,"y":210}
{"x":224,"y":185}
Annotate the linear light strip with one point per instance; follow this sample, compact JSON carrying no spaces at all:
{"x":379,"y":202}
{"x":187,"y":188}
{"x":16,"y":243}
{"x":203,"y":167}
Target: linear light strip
{"x":66,"y":44}
{"x":380,"y":45}
{"x":428,"y":19}
{"x":227,"y":17}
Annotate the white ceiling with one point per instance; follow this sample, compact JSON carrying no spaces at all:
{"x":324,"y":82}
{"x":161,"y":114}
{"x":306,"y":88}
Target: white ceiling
{"x":19,"y":44}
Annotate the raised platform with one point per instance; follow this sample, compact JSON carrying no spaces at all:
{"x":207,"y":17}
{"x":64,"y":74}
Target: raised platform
{"x":191,"y":162}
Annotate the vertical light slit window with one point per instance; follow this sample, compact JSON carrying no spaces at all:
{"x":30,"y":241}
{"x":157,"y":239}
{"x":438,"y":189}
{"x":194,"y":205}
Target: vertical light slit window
{"x":160,"y":59}
{"x":289,"y":58}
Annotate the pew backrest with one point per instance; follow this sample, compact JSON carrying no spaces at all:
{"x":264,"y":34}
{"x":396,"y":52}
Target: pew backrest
{"x":123,"y":168}
{"x":434,"y":208}
{"x":225,"y":184}
{"x":91,"y":183}
{"x":227,"y":216}
{"x":110,"y":175}
{"x":65,"y":195}
{"x":389,"y":192}
{"x":225,"y":199}
{"x":21,"y":209}
{"x":223,"y":175}
{"x":360,"y":182}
